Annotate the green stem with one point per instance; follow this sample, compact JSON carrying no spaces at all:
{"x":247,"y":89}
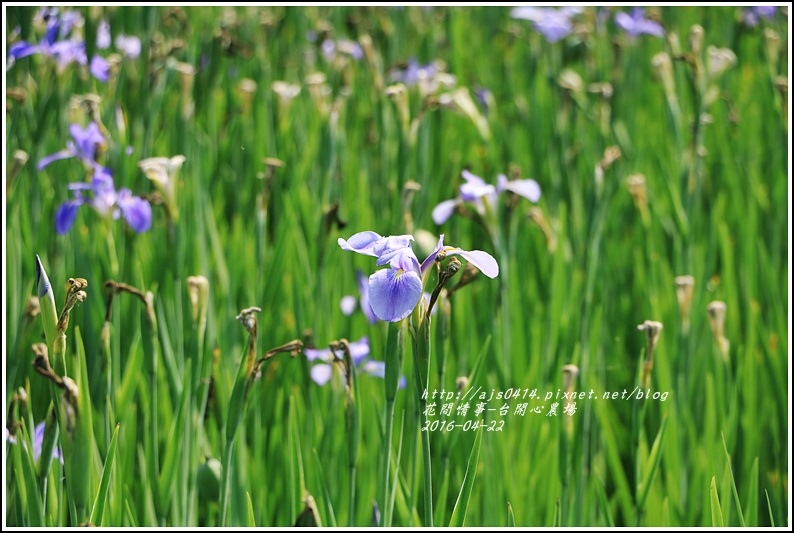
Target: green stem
{"x":391,"y":382}
{"x":421,"y":345}
{"x":226,"y":478}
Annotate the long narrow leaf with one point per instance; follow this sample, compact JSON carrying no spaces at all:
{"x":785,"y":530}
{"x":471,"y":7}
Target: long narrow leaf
{"x":98,"y":509}
{"x":716,"y":510}
{"x":462,"y":505}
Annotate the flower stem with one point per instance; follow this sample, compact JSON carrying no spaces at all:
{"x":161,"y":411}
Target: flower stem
{"x":391,"y":381}
{"x":421,"y":346}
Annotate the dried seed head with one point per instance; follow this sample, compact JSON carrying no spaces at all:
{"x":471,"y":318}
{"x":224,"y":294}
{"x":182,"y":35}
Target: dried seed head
{"x":462,"y":383}
{"x":32,"y":307}
{"x":716,"y":312}
{"x":569,"y":374}
{"x":652,"y":330}
{"x":247,"y":318}
{"x":198,"y":290}
{"x":696,"y":39}
{"x":684,"y":287}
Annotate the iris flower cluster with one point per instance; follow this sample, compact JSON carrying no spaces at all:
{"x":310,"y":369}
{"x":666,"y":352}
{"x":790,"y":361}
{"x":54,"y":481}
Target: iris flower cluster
{"x":100,"y":193}
{"x":476,"y":192}
{"x":394,"y":292}
{"x":66,"y":46}
{"x":322,"y":371}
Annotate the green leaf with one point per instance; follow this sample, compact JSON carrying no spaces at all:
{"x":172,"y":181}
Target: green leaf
{"x":716,"y":510}
{"x":769,"y":506}
{"x":251,"y":521}
{"x":29,"y":497}
{"x":174,"y":448}
{"x":733,"y":483}
{"x":511,"y":519}
{"x":752,"y":496}
{"x":650,"y":467}
{"x":462,"y":505}
{"x":104,"y":482}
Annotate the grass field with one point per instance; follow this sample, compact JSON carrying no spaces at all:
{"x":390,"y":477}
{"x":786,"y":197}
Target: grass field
{"x":141,"y":389}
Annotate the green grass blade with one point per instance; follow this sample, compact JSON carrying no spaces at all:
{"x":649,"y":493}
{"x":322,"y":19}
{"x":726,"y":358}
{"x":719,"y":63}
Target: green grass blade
{"x":650,"y":468}
{"x":98,"y":510}
{"x":716,"y":510}
{"x":29,"y":498}
{"x":458,"y":517}
{"x":751,"y":499}
{"x":251,"y":522}
{"x":733,"y":483}
{"x":769,"y":507}
{"x":174,"y":448}
{"x":511,"y":519}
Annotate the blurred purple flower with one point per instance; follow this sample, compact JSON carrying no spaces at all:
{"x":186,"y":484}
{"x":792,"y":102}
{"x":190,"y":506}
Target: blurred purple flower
{"x":106,"y":201}
{"x":103,"y":35}
{"x":100,"y":69}
{"x":38,"y":441}
{"x":636,"y":24}
{"x":331,"y":48}
{"x":475,"y":189}
{"x":751,"y":16}
{"x":322,"y":372}
{"x":553,"y":23}
{"x":394,"y":292}
{"x":83,"y":146}
{"x":410,"y":73}
{"x":348,"y":303}
{"x":130,"y":46}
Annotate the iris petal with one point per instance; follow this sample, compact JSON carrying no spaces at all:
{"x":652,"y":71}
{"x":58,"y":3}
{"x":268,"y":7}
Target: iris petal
{"x":529,"y":189}
{"x":138,"y":214}
{"x":362,"y":242}
{"x":363,"y":289}
{"x":46,"y":160}
{"x":321,"y":373}
{"x":348,"y":304}
{"x":359,"y":350}
{"x":482,"y":260}
{"x":65,"y":215}
{"x":443,"y":211}
{"x":394,"y":293}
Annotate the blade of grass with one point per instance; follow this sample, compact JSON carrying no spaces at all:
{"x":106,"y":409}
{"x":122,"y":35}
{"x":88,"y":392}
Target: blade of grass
{"x":769,"y":507}
{"x":251,"y":521}
{"x":98,"y":510}
{"x":733,"y":483}
{"x":751,"y":498}
{"x":511,"y":520}
{"x":458,"y":517}
{"x":716,"y":510}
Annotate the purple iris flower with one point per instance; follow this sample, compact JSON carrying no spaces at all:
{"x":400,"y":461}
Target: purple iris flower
{"x":636,"y":24}
{"x":475,"y":189}
{"x":394,"y":292}
{"x":753,"y":15}
{"x":56,"y":42}
{"x":322,"y":372}
{"x":83,"y":146}
{"x":106,"y":201}
{"x":553,"y":23}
